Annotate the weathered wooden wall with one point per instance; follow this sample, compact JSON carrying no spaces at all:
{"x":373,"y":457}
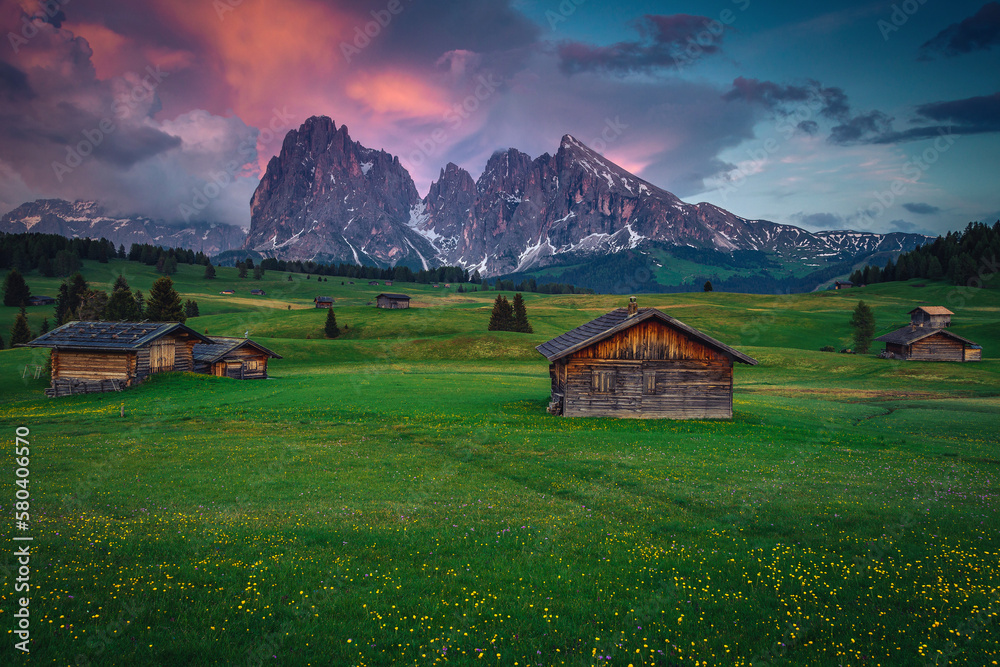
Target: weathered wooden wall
{"x":673,"y":389}
{"x":392,"y":304}
{"x":96,"y":365}
{"x":973,"y":354}
{"x":650,"y":341}
{"x":937,"y":347}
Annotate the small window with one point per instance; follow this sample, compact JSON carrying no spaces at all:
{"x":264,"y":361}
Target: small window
{"x":603,"y":382}
{"x":251,"y":364}
{"x":649,"y":383}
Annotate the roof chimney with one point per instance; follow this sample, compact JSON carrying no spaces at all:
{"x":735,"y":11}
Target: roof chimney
{"x":633,"y":307}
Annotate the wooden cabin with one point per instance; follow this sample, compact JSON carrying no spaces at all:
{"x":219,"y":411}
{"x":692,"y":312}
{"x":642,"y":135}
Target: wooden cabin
{"x":935,"y":317}
{"x":927,"y":339}
{"x":373,"y":283}
{"x":323,"y":302}
{"x":388,"y":283}
{"x":228,"y":291}
{"x":640,"y":362}
{"x":238,"y":358}
{"x":40,"y":301}
{"x":257,"y":292}
{"x":90,"y":357}
{"x":392,"y":301}
{"x":843,"y":284}
{"x":927,"y":344}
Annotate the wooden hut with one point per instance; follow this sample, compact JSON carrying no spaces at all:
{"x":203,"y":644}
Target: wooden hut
{"x":927,"y":339}
{"x":323,"y":302}
{"x":257,"y":292}
{"x":935,"y":317}
{"x":392,"y":301}
{"x":640,"y":362}
{"x":843,"y":284}
{"x":92,"y":357}
{"x":238,"y":358}
{"x":40,"y":300}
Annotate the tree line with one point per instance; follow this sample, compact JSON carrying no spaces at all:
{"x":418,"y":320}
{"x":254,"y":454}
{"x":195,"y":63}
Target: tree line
{"x":956,"y":257}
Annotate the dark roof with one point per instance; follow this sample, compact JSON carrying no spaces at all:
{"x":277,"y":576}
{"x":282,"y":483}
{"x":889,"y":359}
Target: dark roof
{"x":617,"y":320}
{"x":911,"y":334}
{"x":323,"y":299}
{"x":223,"y":345}
{"x":395,"y":296}
{"x":110,"y":335}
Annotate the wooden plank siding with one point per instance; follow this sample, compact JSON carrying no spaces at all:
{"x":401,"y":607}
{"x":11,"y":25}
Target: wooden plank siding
{"x":649,"y":340}
{"x":682,"y":389}
{"x":68,"y":364}
{"x":242,"y":364}
{"x":938,"y":347}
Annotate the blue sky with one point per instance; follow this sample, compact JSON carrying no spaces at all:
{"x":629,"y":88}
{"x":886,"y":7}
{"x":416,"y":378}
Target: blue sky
{"x":882,"y":116}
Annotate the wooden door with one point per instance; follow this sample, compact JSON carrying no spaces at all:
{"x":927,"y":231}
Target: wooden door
{"x":161,"y":356}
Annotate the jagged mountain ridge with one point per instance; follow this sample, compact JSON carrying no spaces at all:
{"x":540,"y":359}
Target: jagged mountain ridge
{"x":88,"y":219}
{"x":317,"y":201}
{"x":327,"y":198}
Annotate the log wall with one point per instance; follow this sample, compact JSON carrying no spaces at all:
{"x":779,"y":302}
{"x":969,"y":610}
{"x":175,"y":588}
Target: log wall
{"x":250,"y":364}
{"x":96,"y":365}
{"x":937,"y":347}
{"x":681,"y":389}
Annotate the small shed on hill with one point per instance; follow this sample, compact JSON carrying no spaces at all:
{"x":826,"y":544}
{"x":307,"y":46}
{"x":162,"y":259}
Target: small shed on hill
{"x":392,"y":301}
{"x":641,"y":362}
{"x":90,"y":357}
{"x":40,"y":301}
{"x":238,"y":358}
{"x":927,"y":339}
{"x":843,"y":284}
{"x":935,"y":317}
{"x":257,"y":292}
{"x":323,"y":302}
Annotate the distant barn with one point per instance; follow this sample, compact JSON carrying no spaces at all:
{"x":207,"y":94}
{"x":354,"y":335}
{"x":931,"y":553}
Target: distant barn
{"x":257,"y":292}
{"x":843,"y":284}
{"x":90,"y":357}
{"x":373,"y":282}
{"x":640,"y":362}
{"x":40,"y":301}
{"x":323,"y":302}
{"x":239,"y":358}
{"x":392,"y":301}
{"x":927,"y":339}
{"x":228,"y":291}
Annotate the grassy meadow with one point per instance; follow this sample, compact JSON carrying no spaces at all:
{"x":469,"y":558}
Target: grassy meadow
{"x":400,"y":496}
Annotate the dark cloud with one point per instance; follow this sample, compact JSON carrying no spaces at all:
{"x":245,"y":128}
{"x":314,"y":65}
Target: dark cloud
{"x":861,"y":128}
{"x":979,"y":32}
{"x":13,"y":83}
{"x":828,"y":101}
{"x":665,"y":41}
{"x":903,"y":226}
{"x":921,"y":208}
{"x":809,"y":127}
{"x":973,"y":115}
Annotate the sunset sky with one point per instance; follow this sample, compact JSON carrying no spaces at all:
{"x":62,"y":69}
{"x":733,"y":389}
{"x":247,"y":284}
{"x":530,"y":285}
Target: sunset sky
{"x":881,"y":116}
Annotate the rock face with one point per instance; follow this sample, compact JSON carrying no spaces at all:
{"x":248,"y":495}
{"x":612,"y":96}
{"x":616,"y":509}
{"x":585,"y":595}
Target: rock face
{"x":329,"y":199}
{"x":87,"y":219}
{"x":326,"y":197}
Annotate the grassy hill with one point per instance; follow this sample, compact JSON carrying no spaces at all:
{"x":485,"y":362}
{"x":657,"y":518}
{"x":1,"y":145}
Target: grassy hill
{"x":400,"y":495}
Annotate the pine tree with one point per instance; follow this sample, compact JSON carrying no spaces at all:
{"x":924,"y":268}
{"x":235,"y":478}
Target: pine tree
{"x":242,"y":268}
{"x":209,"y":271}
{"x":164,"y":303}
{"x":15,"y":289}
{"x":140,"y":306}
{"x":121,"y":306}
{"x":45,"y":326}
{"x":934,"y":270}
{"x":521,"y":323}
{"x":331,"y":329}
{"x":502,"y":317}
{"x":20,"y":332}
{"x":191,"y":308}
{"x":258,"y":272}
{"x":708,"y":286}
{"x":1,"y":343}
{"x":863,"y":322}
{"x":93,"y":306}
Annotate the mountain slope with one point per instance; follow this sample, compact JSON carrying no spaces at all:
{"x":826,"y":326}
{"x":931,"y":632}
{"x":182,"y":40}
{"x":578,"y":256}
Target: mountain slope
{"x":87,"y":219}
{"x":328,"y":198}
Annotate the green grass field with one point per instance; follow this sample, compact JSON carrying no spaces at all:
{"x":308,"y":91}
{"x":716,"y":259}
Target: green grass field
{"x":399,"y":495}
